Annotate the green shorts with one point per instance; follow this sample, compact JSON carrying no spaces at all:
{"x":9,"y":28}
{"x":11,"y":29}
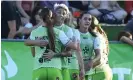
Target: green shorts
{"x":74,"y":74}
{"x":105,"y":75}
{"x":47,"y":74}
{"x":65,"y":74}
{"x":97,"y":76}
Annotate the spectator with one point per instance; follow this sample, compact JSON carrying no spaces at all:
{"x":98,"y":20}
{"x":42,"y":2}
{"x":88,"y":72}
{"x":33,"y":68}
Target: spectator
{"x":107,"y":11}
{"x":129,"y":26}
{"x":127,"y":35}
{"x":35,"y":20}
{"x":10,"y":20}
{"x":25,"y":8}
{"x":129,"y":9}
{"x":79,"y":5}
{"x":50,"y":4}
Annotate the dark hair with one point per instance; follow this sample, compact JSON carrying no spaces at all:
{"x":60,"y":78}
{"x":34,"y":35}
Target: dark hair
{"x":45,"y":14}
{"x":34,"y":12}
{"x":81,"y":15}
{"x":92,"y":27}
{"x":124,"y":33}
{"x":90,"y":30}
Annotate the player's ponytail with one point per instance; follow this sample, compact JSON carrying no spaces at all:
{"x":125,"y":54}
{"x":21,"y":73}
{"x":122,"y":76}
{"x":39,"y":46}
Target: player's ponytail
{"x":45,"y":14}
{"x":95,"y":25}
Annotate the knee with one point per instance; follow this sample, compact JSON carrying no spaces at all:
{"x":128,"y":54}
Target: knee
{"x":124,"y":13}
{"x":95,"y":12}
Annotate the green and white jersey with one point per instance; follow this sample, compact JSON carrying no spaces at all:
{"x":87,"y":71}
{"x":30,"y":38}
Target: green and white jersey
{"x":67,"y":30}
{"x":73,"y":61}
{"x":86,"y":45}
{"x":60,"y":39}
{"x":69,"y":33}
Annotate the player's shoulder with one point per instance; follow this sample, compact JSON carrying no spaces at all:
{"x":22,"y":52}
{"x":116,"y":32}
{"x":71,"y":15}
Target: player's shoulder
{"x":38,"y":28}
{"x":57,"y":31}
{"x":66,"y":26}
{"x":76,"y":30}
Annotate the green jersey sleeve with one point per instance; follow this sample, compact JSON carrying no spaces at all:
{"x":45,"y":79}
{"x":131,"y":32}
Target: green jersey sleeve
{"x":97,"y":43}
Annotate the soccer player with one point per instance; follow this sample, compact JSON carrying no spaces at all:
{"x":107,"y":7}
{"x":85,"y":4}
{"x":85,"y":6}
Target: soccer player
{"x":45,"y":39}
{"x":61,"y":13}
{"x":94,"y":48}
{"x":75,"y":70}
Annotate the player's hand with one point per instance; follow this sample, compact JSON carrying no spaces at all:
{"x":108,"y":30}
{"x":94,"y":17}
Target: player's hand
{"x":48,"y":55}
{"x":66,"y":54}
{"x":41,"y":43}
{"x":96,"y":63}
{"x":88,"y":65}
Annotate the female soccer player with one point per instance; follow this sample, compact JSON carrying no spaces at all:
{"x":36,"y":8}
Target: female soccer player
{"x":61,"y":13}
{"x":75,"y":70}
{"x":94,"y":48}
{"x":45,"y":38}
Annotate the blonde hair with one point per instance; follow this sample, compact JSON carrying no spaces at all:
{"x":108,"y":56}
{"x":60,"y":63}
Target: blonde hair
{"x":56,"y":6}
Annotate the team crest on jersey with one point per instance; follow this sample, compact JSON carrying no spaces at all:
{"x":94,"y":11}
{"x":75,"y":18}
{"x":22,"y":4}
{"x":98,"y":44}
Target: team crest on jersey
{"x":86,"y":50}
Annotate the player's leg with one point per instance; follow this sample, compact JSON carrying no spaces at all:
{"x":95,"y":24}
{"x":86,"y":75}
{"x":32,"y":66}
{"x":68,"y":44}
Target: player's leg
{"x":65,"y":74}
{"x":54,"y":74}
{"x":39,"y":74}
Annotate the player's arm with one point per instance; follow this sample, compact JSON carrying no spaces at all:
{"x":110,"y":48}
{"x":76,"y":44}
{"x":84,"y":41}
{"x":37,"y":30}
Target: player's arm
{"x":68,"y":43}
{"x":31,"y":41}
{"x":80,"y":61}
{"x":97,"y":50}
{"x":40,"y":43}
{"x":33,"y":51}
{"x":96,"y":60}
